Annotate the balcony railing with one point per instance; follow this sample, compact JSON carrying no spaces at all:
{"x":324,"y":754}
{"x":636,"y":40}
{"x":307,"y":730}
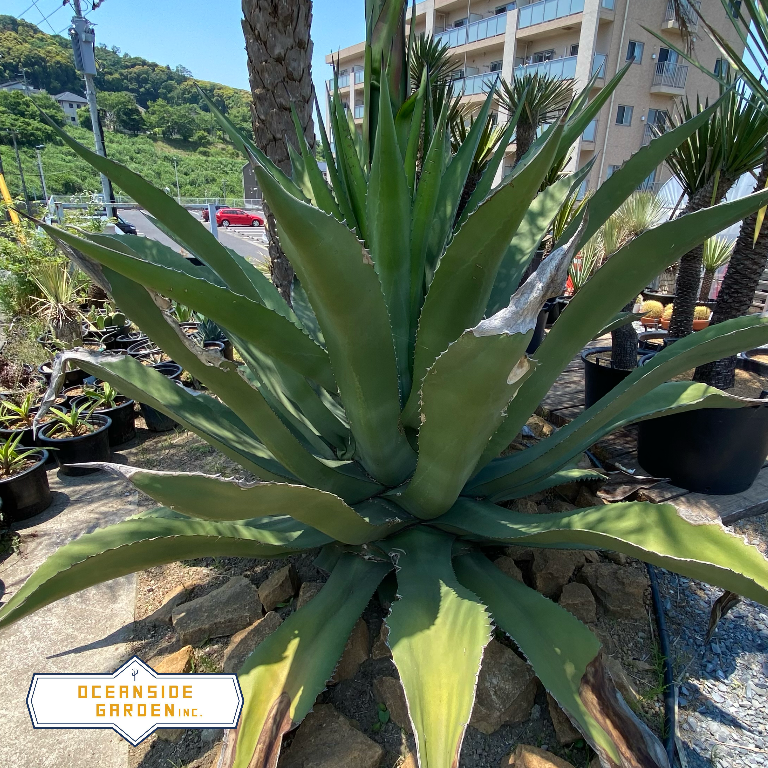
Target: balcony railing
{"x":670,"y":75}
{"x":687,"y":6}
{"x":359,"y":111}
{"x":563,"y":69}
{"x":598,"y":64}
{"x":359,"y":76}
{"x":547,"y":10}
{"x":650,"y":132}
{"x":607,"y":4}
{"x":343,"y":82}
{"x":590,"y":132}
{"x":474,"y":84}
{"x":477,"y":30}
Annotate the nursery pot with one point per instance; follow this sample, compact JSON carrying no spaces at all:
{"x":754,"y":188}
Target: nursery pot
{"x":156,"y":421}
{"x":214,"y":345}
{"x":77,"y":450}
{"x":26,"y":494}
{"x":600,"y":377}
{"x":664,"y":298}
{"x":748,"y":362}
{"x":651,"y":341}
{"x":123,"y":416}
{"x":171,"y":370}
{"x":71,"y":377}
{"x":541,"y":323}
{"x":126,"y":340}
{"x":27,"y":437}
{"x":711,"y":450}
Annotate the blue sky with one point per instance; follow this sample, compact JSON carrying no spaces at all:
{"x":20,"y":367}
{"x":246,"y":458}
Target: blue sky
{"x":205,"y":37}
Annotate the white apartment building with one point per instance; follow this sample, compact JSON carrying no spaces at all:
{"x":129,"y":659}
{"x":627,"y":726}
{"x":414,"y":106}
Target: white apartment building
{"x":570,"y":39}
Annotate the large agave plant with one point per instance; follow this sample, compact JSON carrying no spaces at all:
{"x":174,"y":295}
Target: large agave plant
{"x":376,"y":410}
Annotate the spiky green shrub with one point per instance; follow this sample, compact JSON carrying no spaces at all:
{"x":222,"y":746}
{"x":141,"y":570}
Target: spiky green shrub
{"x":376,"y":410}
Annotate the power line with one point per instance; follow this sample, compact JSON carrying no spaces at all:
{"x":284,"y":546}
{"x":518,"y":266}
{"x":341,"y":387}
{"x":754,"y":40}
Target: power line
{"x":43,"y":15}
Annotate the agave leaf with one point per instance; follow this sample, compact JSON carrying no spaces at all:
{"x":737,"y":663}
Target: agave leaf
{"x":282,"y":677}
{"x":299,"y":172}
{"x":345,"y":294}
{"x":567,"y":659}
{"x":250,"y":320}
{"x":621,"y":319}
{"x":144,"y":542}
{"x":186,"y":228}
{"x":615,"y":284}
{"x":437,"y":632}
{"x":568,"y":474}
{"x":213,"y":498}
{"x":639,"y":396}
{"x":535,"y":224}
{"x":486,"y":366}
{"x":417,"y":116}
{"x":305,"y":313}
{"x":654,"y":533}
{"x":464,"y":278}
{"x":389,"y":232}
{"x":403,"y":119}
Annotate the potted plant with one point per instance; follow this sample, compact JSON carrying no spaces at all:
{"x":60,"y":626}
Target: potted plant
{"x":717,"y":253}
{"x":24,"y":490}
{"x":58,"y":302}
{"x":17,"y":420}
{"x":106,"y":400}
{"x":78,"y":436}
{"x":652,"y":312}
{"x":212,"y":337}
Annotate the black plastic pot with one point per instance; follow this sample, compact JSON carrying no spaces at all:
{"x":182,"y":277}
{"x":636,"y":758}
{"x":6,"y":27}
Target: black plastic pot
{"x":171,"y":370}
{"x":664,"y":298}
{"x":46,"y":340}
{"x":557,"y":306}
{"x":538,"y":333}
{"x":71,"y":378}
{"x":214,"y":345}
{"x":77,"y":450}
{"x":26,"y":494}
{"x":651,"y":341}
{"x":190,"y":328}
{"x":748,"y":363}
{"x":599,"y":375}
{"x":123,"y":416}
{"x":126,"y":340}
{"x":156,"y":421}
{"x":27,"y":437}
{"x":713,"y":450}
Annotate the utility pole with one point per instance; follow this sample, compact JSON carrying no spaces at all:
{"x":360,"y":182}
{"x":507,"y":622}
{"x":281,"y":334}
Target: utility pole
{"x":176,"y":169}
{"x":40,"y":168}
{"x":81,"y":34}
{"x":21,"y":172}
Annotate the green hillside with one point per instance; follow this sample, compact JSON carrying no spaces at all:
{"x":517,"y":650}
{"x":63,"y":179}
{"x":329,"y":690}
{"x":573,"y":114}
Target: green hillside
{"x":151,"y":114}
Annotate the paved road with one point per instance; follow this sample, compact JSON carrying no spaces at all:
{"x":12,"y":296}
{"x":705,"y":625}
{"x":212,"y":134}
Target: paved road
{"x":244,"y":240}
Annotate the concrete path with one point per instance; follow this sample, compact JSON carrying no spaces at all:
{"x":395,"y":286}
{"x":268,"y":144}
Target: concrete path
{"x":86,"y":632}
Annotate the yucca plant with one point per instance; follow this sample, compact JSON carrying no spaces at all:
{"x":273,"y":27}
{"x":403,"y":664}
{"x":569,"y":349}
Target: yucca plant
{"x":717,"y":252}
{"x":58,"y":302}
{"x":376,"y":411}
{"x":13,"y":460}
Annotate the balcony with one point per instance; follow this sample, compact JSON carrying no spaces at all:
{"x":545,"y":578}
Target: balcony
{"x":563,"y":69}
{"x":599,"y":65}
{"x":650,"y":132}
{"x":359,"y":76}
{"x":475,"y":84}
{"x":477,"y":30}
{"x":547,"y":10}
{"x":343,"y":82}
{"x":689,"y":8}
{"x":359,"y":111}
{"x":589,"y":135}
{"x":669,"y":78}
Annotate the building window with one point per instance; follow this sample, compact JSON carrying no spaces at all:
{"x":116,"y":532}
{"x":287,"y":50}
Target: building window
{"x":505,"y":8}
{"x":635,"y":51}
{"x":611,"y":170}
{"x":658,"y":117}
{"x":496,"y":65}
{"x":735,"y":8}
{"x":721,"y":68}
{"x":575,"y":50}
{"x":460,"y":23}
{"x":71,"y":106}
{"x":624,"y":115}
{"x":540,"y":56}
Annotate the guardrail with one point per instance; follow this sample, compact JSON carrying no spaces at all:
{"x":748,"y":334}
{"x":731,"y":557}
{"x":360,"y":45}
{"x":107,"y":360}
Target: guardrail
{"x":564,"y":68}
{"x":670,"y":75}
{"x":477,"y":30}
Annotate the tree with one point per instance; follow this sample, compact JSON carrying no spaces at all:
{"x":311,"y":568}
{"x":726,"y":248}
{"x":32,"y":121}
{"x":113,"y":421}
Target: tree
{"x":18,"y":113}
{"x":279,"y":47}
{"x":545,"y":98}
{"x":119,"y":111}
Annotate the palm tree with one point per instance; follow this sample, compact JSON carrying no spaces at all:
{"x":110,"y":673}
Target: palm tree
{"x":279,"y":52}
{"x":707,"y":165}
{"x":717,"y":251}
{"x":545,"y":97}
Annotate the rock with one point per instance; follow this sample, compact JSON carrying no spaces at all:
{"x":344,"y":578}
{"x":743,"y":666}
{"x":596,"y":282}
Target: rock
{"x":409,"y":761}
{"x":590,"y":555}
{"x":525,"y":506}
{"x":380,"y":648}
{"x":222,"y":612}
{"x":280,"y":587}
{"x":389,"y":692}
{"x":542,"y":509}
{"x":175,"y":664}
{"x":585,"y":498}
{"x":308,"y":590}
{"x":506,"y":688}
{"x":327,"y":739}
{"x":558,"y":505}
{"x":618,"y":589}
{"x":564,"y":731}
{"x":539,"y":426}
{"x":578,"y":599}
{"x":595,"y":763}
{"x":507,"y":566}
{"x":173,"y":735}
{"x":209,"y":735}
{"x":245,"y":641}
{"x":163,"y":615}
{"x":208,"y":760}
{"x":355,"y":653}
{"x":520,"y":554}
{"x":526,"y":756}
{"x":621,"y":681}
{"x":552,"y":568}
{"x":616,"y":557}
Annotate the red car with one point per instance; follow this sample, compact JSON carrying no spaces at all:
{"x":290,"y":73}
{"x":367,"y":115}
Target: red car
{"x":237,"y":217}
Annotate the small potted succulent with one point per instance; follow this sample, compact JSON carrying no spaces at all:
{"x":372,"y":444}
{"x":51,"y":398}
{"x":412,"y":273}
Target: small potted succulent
{"x":79,"y":436}
{"x":106,"y":400}
{"x":652,"y":312}
{"x":701,"y":316}
{"x":212,"y":337}
{"x":16,"y":420}
{"x":24,"y":490}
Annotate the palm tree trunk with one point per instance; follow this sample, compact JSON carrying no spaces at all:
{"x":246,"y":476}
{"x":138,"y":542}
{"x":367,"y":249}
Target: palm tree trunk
{"x":279,"y":52}
{"x":706,"y":285}
{"x":689,"y":273}
{"x":624,"y":345}
{"x":525,"y":134}
{"x":738,"y":290}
